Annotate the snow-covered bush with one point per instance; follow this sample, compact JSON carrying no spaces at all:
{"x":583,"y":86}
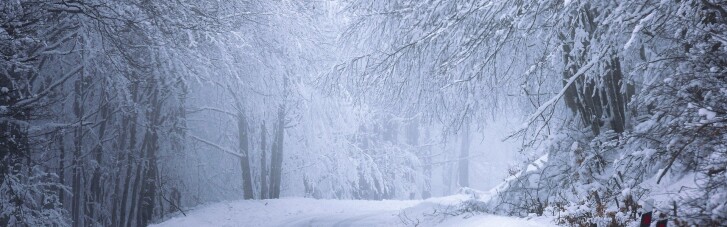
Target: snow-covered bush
{"x":672,"y":146}
{"x":30,"y":200}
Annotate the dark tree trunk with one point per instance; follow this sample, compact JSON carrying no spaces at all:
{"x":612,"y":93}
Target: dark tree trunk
{"x":77,"y":173}
{"x":263,"y":163}
{"x":133,"y":210}
{"x":594,"y":99}
{"x":148,"y":190}
{"x":617,"y":100}
{"x":276,"y":159}
{"x":115,"y":196}
{"x":245,"y":158}
{"x":61,"y":167}
{"x":131,"y":146}
{"x":124,"y":209}
{"x":149,"y":184}
{"x":95,"y":200}
{"x":117,"y":187}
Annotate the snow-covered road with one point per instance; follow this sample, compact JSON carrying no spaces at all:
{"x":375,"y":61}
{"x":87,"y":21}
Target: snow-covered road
{"x":378,"y":218}
{"x":295,"y":212}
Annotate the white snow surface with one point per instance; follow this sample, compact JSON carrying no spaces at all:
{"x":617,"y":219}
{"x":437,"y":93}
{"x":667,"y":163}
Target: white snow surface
{"x":313,"y":212}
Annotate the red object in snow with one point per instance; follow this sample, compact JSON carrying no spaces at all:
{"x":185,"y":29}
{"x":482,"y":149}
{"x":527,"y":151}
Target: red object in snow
{"x":646,"y":219}
{"x":661,"y":223}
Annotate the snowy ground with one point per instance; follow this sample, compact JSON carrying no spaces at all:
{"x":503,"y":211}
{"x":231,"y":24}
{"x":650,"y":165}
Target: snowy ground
{"x":312,"y":212}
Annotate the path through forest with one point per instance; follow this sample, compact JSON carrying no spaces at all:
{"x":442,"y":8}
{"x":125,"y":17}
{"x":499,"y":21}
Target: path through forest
{"x":295,"y":212}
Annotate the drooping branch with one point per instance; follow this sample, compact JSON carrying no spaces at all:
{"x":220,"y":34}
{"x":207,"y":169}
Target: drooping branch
{"x":216,"y":146}
{"x":552,"y":101}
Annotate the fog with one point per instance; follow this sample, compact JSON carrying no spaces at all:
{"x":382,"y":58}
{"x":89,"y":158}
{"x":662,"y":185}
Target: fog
{"x":362,"y":113}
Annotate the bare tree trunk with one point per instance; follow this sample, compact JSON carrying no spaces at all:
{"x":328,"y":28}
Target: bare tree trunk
{"x":95,"y":199}
{"x":149,"y":189}
{"x":117,"y":199}
{"x":427,"y":161}
{"x":263,"y":163}
{"x":594,"y":100}
{"x":464,"y":156}
{"x":133,"y":210}
{"x":123,"y":216}
{"x":423,"y":155}
{"x":276,"y":160}
{"x":244,"y":159}
{"x":77,"y":202}
{"x":448,"y":173}
{"x":61,"y":168}
{"x":115,"y":196}
{"x":617,"y":100}
{"x":131,"y":122}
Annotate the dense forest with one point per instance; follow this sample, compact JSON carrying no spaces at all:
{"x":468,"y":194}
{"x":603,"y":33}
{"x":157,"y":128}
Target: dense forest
{"x":125,"y":113}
